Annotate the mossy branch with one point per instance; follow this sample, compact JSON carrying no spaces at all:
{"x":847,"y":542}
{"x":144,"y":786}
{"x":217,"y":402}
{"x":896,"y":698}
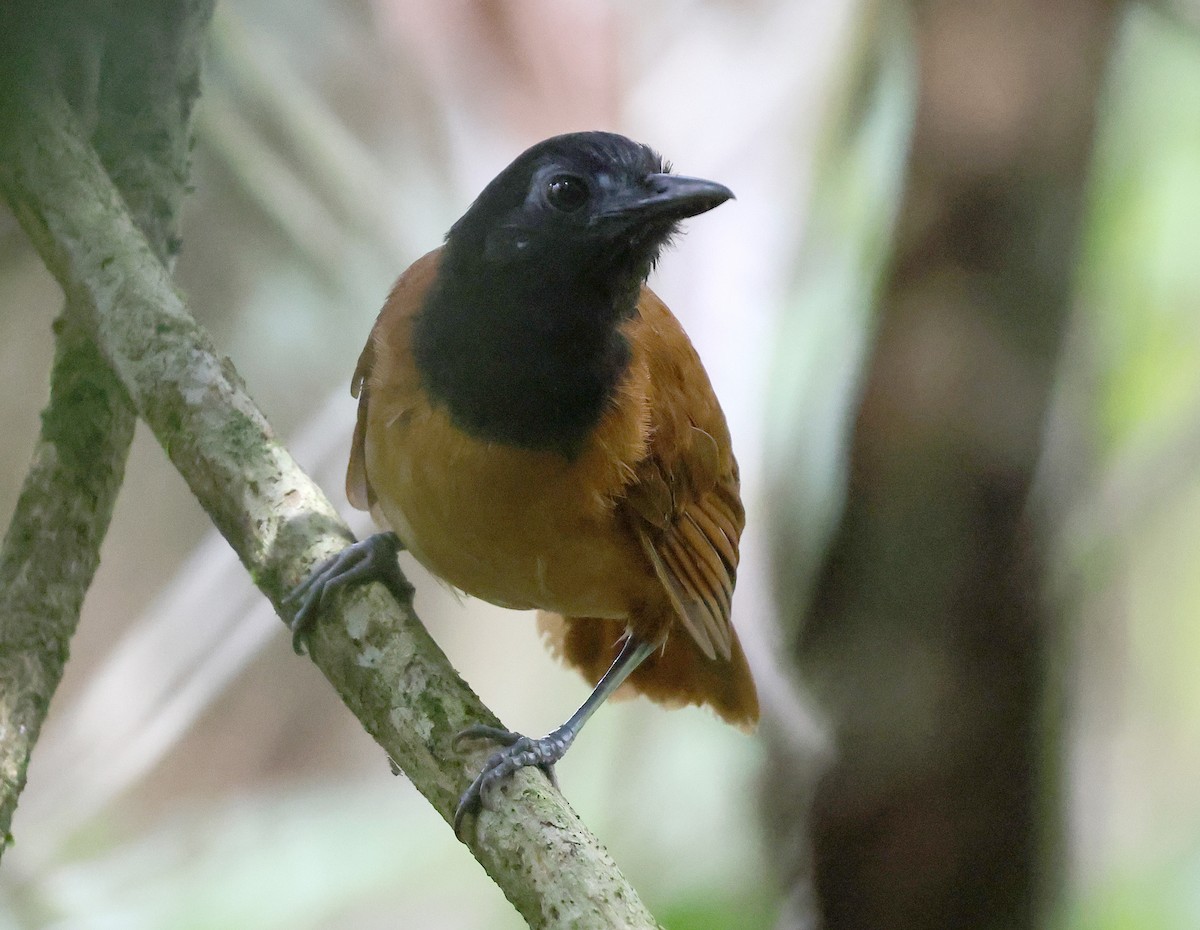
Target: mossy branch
{"x":376,"y":653}
{"x":137,"y":76}
{"x":52,"y":546}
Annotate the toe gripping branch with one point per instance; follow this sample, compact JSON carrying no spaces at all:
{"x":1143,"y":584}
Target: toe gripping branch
{"x":372,"y":559}
{"x":520,"y":751}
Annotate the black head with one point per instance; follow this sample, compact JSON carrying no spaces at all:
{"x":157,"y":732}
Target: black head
{"x":585,"y":203}
{"x":519,"y":337}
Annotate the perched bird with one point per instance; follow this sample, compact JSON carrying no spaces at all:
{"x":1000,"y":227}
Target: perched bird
{"x":536,"y":428}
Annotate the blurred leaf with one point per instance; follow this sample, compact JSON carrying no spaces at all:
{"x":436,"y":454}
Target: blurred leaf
{"x":1140,"y":275}
{"x":717,"y":913}
{"x":293,"y":859}
{"x":1138,"y":720}
{"x":1163,"y":896}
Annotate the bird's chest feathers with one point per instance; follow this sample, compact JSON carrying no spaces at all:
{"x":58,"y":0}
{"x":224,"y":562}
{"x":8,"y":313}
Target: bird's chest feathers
{"x":517,"y":527}
{"x":529,"y":365}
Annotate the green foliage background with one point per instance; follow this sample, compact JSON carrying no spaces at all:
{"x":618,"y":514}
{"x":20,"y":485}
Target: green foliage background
{"x":261,"y":809}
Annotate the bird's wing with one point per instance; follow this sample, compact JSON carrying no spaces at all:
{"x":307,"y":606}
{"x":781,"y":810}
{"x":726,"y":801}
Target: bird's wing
{"x":684,"y":503}
{"x":358,"y":489}
{"x":405,"y":299}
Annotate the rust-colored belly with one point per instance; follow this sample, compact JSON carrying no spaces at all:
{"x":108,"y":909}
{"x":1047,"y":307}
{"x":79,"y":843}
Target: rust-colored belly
{"x":517,"y":528}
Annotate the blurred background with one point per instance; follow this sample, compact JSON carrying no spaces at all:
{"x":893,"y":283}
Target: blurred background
{"x":954,"y":320}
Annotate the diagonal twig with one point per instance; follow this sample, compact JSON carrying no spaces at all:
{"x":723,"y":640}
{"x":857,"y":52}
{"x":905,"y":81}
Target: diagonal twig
{"x":139,"y":79}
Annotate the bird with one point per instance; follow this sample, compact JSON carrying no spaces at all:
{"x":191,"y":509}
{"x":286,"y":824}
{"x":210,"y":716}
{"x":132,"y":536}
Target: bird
{"x":535,"y":428}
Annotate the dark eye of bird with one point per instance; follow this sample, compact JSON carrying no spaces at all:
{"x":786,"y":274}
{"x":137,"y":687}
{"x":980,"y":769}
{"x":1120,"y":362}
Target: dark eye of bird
{"x":566,"y":193}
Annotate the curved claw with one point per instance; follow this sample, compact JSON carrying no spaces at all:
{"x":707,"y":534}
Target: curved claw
{"x":484,"y":731}
{"x":518,"y":753}
{"x":372,"y":559}
{"x":508,"y":738}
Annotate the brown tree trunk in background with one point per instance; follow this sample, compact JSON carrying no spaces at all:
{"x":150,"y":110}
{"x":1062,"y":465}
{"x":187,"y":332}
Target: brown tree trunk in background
{"x":927,"y":639}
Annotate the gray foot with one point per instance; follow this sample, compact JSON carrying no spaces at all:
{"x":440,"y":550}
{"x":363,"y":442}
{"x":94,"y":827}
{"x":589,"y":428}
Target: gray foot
{"x":372,"y":559}
{"x":518,"y":752}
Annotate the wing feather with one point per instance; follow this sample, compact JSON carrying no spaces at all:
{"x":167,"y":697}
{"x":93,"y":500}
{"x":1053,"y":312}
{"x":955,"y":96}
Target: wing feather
{"x":717,"y":538}
{"x":691,"y":614}
{"x":684,"y":502}
{"x":358,"y":488}
{"x":404,"y":300}
{"x":708,"y":560}
{"x":704,"y":604}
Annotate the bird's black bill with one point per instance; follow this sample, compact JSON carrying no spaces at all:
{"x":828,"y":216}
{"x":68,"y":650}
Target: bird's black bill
{"x":668,"y":197}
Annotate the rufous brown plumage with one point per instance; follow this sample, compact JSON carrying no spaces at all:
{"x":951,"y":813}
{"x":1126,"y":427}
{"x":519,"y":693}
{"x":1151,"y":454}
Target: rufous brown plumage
{"x":537,"y":429}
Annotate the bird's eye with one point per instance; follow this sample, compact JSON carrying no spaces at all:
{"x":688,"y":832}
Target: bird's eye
{"x":566,"y":192}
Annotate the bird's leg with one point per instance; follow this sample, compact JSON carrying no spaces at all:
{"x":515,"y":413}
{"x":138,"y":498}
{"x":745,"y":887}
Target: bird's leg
{"x":372,"y":559}
{"x":520,"y":751}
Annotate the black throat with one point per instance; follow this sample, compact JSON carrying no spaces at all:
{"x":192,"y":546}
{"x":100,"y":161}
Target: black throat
{"x":520,"y":337}
{"x":527,"y":357}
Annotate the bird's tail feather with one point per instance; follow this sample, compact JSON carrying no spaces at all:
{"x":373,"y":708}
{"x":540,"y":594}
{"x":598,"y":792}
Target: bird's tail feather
{"x":676,"y":675}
